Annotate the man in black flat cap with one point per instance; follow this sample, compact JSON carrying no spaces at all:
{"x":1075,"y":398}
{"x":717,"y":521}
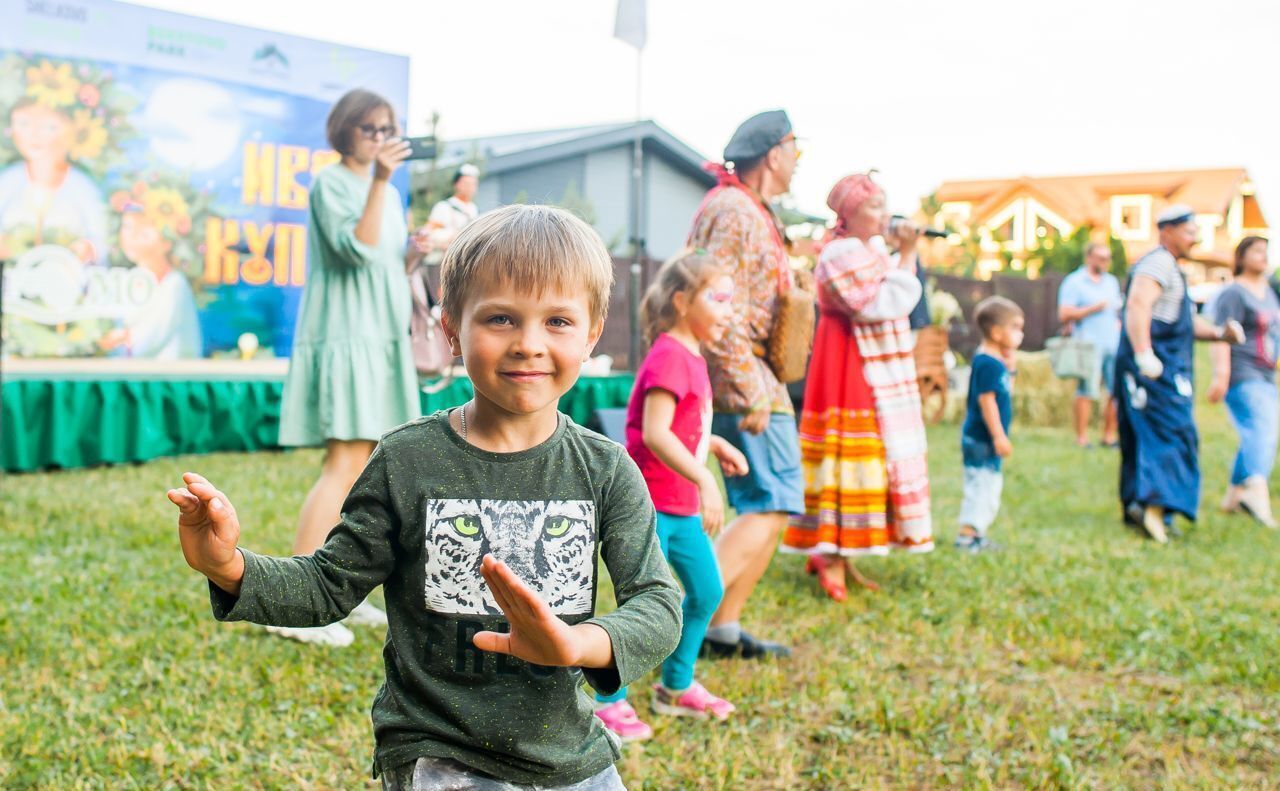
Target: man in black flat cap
{"x":1159,"y":445}
{"x":752,"y":410}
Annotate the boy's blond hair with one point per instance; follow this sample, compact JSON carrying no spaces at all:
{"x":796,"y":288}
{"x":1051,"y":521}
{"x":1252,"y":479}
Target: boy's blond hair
{"x":994,"y":312}
{"x":530,"y":248}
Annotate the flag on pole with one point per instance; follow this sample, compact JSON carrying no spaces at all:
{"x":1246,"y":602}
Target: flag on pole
{"x":630,"y":25}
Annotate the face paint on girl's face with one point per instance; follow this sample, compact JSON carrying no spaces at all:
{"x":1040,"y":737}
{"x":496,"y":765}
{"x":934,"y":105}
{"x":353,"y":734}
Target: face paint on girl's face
{"x":708,"y":315}
{"x":717,"y":297}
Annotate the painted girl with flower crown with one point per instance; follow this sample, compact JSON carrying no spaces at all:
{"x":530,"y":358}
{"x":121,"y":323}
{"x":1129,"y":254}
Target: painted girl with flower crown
{"x":56,"y":122}
{"x":64,"y":123}
{"x":152,"y":224}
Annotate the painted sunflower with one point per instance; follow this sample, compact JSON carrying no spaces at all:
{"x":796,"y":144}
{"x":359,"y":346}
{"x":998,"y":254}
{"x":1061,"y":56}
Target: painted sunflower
{"x":166,"y":210}
{"x":88,"y":135}
{"x":52,"y":86}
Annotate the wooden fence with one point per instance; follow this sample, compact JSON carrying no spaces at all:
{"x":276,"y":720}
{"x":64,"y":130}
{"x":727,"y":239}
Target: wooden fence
{"x":616,"y":339}
{"x":1037,"y":298}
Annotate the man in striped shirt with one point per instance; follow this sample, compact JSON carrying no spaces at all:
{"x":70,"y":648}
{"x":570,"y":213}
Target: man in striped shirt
{"x":1159,"y":445}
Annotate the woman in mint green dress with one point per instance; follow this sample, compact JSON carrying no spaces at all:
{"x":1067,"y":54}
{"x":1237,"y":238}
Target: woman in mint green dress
{"x":351,"y":376}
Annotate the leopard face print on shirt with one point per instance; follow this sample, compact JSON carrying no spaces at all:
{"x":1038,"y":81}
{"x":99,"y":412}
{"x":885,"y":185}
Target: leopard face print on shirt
{"x":548,"y":545}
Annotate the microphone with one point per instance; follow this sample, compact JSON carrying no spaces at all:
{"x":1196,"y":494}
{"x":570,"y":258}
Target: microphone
{"x":928,"y":233}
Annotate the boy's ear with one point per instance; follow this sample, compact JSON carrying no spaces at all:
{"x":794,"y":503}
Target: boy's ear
{"x":593,"y":337}
{"x":450,"y":334}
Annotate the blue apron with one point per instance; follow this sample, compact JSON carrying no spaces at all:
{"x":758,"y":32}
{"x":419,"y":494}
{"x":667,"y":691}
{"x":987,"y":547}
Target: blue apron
{"x":1159,"y":445}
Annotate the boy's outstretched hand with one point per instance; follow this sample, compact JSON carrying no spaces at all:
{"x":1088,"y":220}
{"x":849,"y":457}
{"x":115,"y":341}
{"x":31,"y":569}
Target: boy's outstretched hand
{"x":209,"y":531}
{"x":537,"y":635}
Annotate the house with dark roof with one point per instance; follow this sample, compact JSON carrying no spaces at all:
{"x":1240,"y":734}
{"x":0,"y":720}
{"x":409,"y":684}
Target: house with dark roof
{"x":588,"y":169}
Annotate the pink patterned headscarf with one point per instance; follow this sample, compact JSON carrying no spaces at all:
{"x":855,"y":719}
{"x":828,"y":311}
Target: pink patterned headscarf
{"x":849,"y":193}
{"x":724,"y":176}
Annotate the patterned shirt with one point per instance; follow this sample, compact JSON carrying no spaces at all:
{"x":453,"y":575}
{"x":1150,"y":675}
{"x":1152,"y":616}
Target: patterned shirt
{"x":735,"y":232}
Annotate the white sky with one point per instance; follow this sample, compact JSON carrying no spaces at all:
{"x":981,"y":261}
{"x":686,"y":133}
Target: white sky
{"x":923,"y":90}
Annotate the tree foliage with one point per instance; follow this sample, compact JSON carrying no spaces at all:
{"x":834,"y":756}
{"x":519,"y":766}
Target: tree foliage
{"x":1065,"y":254}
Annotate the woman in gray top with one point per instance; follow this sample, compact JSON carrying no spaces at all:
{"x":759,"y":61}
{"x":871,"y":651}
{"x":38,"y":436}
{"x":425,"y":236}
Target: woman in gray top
{"x":1246,"y":376}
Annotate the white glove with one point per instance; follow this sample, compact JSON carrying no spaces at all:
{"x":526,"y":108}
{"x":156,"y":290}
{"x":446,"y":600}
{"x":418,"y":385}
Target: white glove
{"x":1149,"y":364}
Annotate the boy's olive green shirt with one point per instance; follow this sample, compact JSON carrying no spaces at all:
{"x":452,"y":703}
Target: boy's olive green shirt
{"x":424,"y":512}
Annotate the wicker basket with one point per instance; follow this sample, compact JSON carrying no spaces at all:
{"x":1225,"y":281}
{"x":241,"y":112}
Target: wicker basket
{"x":932,"y":343}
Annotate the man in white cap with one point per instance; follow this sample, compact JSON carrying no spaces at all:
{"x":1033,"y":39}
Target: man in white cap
{"x":451,"y":215}
{"x":1159,"y":445}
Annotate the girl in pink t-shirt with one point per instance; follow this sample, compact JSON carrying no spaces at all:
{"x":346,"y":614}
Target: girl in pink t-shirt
{"x":669,"y":437}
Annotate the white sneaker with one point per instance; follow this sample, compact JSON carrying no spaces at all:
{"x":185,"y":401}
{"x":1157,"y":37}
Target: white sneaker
{"x":334,"y":635}
{"x":1255,"y":500}
{"x":365,"y":614}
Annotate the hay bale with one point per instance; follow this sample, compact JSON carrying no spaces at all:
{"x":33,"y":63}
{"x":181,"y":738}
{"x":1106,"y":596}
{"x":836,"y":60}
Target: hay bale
{"x":1039,"y":397}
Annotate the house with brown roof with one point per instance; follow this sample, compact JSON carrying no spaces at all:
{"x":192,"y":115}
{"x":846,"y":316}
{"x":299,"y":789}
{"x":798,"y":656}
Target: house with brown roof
{"x":1012,"y":216}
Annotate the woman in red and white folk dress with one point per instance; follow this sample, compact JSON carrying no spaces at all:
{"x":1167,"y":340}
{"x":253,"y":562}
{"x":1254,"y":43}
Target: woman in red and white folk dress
{"x":862,"y":436}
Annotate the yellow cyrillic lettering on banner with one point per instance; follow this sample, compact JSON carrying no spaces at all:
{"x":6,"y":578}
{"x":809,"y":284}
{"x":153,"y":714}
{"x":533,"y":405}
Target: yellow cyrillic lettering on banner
{"x":257,"y":269}
{"x":258,"y":182}
{"x":221,"y":261}
{"x":289,"y":193}
{"x":294,"y":239}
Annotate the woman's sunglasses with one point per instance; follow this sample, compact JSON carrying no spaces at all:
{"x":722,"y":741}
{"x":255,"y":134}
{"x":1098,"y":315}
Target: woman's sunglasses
{"x":371,"y":131}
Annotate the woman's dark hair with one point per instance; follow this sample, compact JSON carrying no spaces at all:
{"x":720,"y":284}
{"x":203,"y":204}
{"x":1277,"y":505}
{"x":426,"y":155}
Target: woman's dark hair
{"x":347,"y":114}
{"x":1242,"y":250}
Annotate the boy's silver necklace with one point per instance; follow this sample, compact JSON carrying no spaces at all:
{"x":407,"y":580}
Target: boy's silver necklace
{"x":462,"y":419}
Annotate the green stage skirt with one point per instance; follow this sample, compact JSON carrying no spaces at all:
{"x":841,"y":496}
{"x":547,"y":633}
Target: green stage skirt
{"x":70,"y":422}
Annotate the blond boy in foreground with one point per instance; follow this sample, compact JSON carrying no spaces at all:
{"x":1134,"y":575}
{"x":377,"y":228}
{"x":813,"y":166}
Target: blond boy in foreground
{"x":483,"y":524}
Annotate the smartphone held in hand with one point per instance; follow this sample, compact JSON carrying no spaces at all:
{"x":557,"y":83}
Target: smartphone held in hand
{"x":421,"y":147}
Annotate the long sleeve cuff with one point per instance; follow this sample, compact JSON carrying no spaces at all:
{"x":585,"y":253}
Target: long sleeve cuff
{"x":237,"y":608}
{"x":643,"y":632}
{"x":628,"y":667}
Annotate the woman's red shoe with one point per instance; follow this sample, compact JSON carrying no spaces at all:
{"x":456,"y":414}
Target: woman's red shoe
{"x":818,"y":564}
{"x":836,"y":591}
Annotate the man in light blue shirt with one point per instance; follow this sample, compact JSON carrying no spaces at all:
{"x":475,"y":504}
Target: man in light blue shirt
{"x":1089,"y":302}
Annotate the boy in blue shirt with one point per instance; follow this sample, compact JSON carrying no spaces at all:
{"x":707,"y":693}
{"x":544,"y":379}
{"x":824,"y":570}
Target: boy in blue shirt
{"x":984,"y":440}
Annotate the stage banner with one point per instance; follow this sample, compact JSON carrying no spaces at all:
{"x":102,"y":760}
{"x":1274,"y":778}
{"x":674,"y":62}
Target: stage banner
{"x":154,"y":170}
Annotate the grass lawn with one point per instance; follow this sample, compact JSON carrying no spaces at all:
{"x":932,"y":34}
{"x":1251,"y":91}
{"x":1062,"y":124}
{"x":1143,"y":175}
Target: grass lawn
{"x":1079,"y":657}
